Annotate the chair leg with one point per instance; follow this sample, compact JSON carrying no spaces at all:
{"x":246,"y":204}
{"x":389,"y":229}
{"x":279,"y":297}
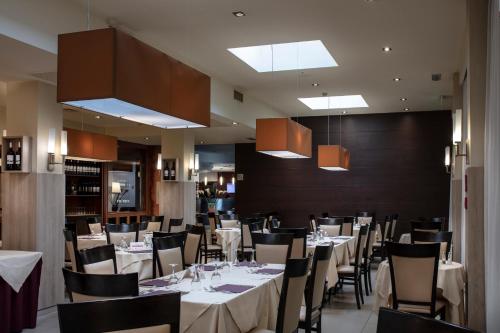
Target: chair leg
{"x":369,"y":273}
{"x":318,"y":325}
{"x":360,"y":289}
{"x":365,"y":275}
{"x":356,"y":291}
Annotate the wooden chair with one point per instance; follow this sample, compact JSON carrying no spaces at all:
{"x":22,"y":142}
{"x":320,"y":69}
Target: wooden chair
{"x":133,"y":315}
{"x":332,"y":225}
{"x":71,"y":242}
{"x":390,"y":321}
{"x":366,"y":268}
{"x":228,"y":217}
{"x":392,"y":234}
{"x":246,"y":240}
{"x":209,"y":248}
{"x":94,"y":225}
{"x":312,"y":223}
{"x":99,"y":260}
{"x":292,"y":291}
{"x":84,"y":287}
{"x":352,"y":273}
{"x":364,"y":217}
{"x":166,"y":251}
{"x":142,"y":230}
{"x":310,"y":315}
{"x":299,"y":240}
{"x":414,"y":270}
{"x":174,"y":223}
{"x":348,"y":225}
{"x":195,"y":234}
{"x":272,"y":248}
{"x":378,"y":247}
{"x":442,"y":237}
{"x":426,"y":226}
{"x":116,"y":232}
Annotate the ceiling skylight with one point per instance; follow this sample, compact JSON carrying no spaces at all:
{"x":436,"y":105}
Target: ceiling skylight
{"x":334,"y":102}
{"x":285,"y":56}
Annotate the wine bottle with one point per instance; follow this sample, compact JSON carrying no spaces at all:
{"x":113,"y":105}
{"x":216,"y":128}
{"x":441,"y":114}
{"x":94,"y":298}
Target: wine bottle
{"x":10,"y":157}
{"x":166,"y":172}
{"x":172,"y":172}
{"x":18,"y":154}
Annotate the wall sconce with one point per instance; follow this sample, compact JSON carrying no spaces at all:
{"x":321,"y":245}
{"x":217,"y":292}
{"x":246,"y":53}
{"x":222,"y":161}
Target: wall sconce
{"x":51,"y":148}
{"x":447,"y":158}
{"x":159,"y":162}
{"x":205,"y":181}
{"x":221,"y":180}
{"x":194,"y":165}
{"x":232,"y":180}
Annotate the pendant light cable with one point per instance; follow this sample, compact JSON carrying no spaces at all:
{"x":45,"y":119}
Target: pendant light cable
{"x":88,"y":14}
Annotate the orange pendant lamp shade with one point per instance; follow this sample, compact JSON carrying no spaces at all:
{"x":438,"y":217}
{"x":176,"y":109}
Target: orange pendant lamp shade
{"x":333,"y":158}
{"x":111,"y":72}
{"x":284,"y":138}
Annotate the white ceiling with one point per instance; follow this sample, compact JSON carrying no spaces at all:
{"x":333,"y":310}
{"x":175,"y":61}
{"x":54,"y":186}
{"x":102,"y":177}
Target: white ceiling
{"x":426,"y":36}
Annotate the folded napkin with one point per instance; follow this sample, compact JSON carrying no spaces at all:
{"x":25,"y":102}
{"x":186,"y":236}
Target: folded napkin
{"x":248,"y":264}
{"x":158,"y":292}
{"x":233,"y":288}
{"x":271,"y":271}
{"x":155,"y":283}
{"x":208,"y":268}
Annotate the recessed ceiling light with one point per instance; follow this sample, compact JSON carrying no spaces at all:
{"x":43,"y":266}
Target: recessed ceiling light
{"x":97,"y":117}
{"x":407,"y":109}
{"x":285,"y":56}
{"x":344,"y":112}
{"x":235,"y":123}
{"x":239,"y":13}
{"x":146,"y":138}
{"x":315,"y":84}
{"x":202,"y":142}
{"x":387,"y":49}
{"x":397,"y":79}
{"x":334,"y":102}
{"x":404,"y":99}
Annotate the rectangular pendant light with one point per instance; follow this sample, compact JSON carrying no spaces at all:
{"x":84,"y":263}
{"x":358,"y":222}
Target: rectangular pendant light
{"x":333,"y":158}
{"x":111,"y":72}
{"x":283,"y":137}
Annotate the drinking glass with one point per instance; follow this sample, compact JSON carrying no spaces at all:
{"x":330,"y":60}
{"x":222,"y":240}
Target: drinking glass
{"x":225,"y":264}
{"x":123,"y":244}
{"x":196,"y":281}
{"x":253,"y":262}
{"x":173,"y":278}
{"x":216,"y":276}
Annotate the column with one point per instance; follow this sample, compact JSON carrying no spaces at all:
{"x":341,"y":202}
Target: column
{"x":33,"y":203}
{"x":178,"y":198}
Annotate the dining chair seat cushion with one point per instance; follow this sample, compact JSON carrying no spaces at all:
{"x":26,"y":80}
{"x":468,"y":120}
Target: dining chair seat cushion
{"x":345,"y":269}
{"x":271,"y":254}
{"x":101,"y":267}
{"x":153,"y":226}
{"x":302,"y":316}
{"x":425,"y":309}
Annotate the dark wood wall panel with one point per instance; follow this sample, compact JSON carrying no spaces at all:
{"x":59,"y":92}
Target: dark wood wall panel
{"x":397,"y":166}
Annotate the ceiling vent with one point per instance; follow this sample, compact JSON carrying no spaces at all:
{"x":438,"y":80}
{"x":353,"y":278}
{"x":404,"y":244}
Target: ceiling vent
{"x":238,"y":96}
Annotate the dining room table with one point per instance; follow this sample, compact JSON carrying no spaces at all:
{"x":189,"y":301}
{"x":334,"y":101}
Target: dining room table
{"x":451,"y":282}
{"x":138,"y":261}
{"x":245,"y":296}
{"x":340,"y":255}
{"x":19,"y":287}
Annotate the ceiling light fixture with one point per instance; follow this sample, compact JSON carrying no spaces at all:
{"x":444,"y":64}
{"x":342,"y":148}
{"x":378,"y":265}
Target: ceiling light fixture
{"x":284,"y":138}
{"x":315,"y":84}
{"x":334,"y":102}
{"x":407,"y":109}
{"x":387,"y":49}
{"x":334,"y":157}
{"x":239,"y":13}
{"x":97,"y":117}
{"x":146,"y":138}
{"x":344,"y":112}
{"x":404,"y":99}
{"x":396,"y":79}
{"x":235,"y":123}
{"x":110,"y":72}
{"x":285,"y":56}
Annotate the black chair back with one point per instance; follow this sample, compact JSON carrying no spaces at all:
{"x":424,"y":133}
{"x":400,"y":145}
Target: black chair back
{"x":121,"y":228}
{"x":71,"y":241}
{"x":331,"y":221}
{"x":174,"y":223}
{"x":436,"y":237}
{"x":121,"y":314}
{"x":401,"y":254}
{"x":195,"y":236}
{"x":313,"y":295}
{"x":83,"y":287}
{"x":165,"y":243}
{"x":299,"y":240}
{"x":426,"y":226}
{"x":348,"y":225}
{"x":228,"y":217}
{"x":390,"y":321}
{"x":98,"y":254}
{"x":271,"y":239}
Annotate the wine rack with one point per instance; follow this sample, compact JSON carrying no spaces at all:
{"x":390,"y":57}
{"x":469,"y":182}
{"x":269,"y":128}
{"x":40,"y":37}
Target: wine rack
{"x":170,"y":169}
{"x":16,"y":154}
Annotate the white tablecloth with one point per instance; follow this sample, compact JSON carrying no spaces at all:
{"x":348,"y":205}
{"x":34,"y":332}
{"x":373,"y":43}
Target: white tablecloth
{"x":217,"y":312}
{"x":340,"y":256}
{"x":229,"y":238}
{"x":450,"y":281}
{"x":16,"y":266}
{"x":141,"y":263}
{"x":89,"y":241}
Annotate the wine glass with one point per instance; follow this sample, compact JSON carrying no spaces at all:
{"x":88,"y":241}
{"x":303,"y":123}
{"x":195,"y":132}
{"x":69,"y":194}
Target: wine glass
{"x":123,"y":244}
{"x":253,"y":263}
{"x":173,"y":278}
{"x":224,"y":264}
{"x":196,"y":281}
{"x":216,"y":276}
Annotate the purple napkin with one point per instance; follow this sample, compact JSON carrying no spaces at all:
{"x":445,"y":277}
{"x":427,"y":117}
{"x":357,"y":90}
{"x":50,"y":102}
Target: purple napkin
{"x":158,"y":292}
{"x":233,"y":288}
{"x":248,"y":264}
{"x":272,"y":271}
{"x":155,"y":283}
{"x":208,"y":268}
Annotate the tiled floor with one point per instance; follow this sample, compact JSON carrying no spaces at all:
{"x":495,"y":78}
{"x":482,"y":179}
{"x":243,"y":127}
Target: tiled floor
{"x":340,"y":316}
